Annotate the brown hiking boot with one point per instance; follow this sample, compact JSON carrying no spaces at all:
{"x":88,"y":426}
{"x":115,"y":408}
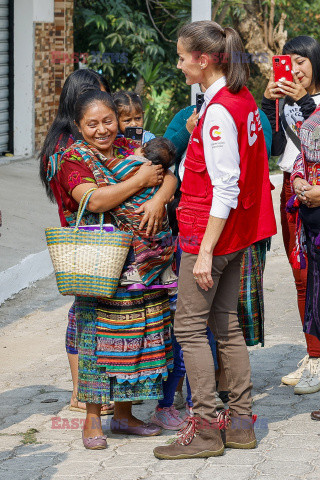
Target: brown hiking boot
{"x":239,"y":432}
{"x":199,"y":439}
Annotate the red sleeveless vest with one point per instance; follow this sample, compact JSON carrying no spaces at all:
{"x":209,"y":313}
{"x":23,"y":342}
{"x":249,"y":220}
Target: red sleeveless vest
{"x":253,"y":219}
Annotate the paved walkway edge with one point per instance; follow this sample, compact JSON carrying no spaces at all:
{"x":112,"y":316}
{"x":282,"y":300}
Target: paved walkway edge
{"x":29,"y":270}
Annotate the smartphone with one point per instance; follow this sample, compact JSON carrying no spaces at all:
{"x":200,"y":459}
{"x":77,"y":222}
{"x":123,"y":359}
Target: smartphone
{"x":282,"y":67}
{"x":136,"y":133}
{"x":199,"y":101}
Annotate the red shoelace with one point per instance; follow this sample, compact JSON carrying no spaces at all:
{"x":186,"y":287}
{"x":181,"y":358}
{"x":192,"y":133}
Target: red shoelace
{"x":186,"y":434}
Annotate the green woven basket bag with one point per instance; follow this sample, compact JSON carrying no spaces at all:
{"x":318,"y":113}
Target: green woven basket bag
{"x":87,"y":263}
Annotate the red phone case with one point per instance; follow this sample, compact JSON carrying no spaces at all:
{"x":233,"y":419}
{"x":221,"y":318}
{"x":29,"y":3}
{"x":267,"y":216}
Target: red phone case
{"x":282,"y":67}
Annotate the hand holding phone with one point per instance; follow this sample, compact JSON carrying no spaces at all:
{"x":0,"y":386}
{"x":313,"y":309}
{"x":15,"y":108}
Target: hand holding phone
{"x":282,"y":71}
{"x":282,"y":68}
{"x":135,"y":133}
{"x":287,"y":82}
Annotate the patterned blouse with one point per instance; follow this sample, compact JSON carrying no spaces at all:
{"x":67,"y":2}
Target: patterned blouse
{"x":73,"y":171}
{"x":307,"y":163}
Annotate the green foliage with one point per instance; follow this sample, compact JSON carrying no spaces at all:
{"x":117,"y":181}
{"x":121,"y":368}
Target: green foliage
{"x":273,"y":165}
{"x":144,"y":34}
{"x":303,"y":17}
{"x":145,"y":39}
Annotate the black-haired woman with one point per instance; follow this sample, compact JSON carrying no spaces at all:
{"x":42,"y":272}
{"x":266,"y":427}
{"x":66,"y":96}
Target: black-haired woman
{"x":225,"y":206}
{"x":301,"y":98}
{"x":123,"y":356}
{"x":60,"y":136}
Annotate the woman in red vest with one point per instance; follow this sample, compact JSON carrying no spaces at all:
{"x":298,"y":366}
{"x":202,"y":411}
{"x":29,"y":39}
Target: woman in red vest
{"x":226,"y":206}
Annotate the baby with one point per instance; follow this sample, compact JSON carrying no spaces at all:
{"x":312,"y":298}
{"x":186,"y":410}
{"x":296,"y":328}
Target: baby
{"x":159,"y":151}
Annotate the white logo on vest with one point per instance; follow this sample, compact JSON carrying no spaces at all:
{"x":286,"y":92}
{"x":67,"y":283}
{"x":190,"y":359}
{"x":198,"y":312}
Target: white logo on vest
{"x":251,"y":124}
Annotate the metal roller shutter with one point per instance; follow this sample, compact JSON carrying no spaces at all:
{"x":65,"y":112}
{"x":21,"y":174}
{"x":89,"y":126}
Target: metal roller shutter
{"x":4,"y":76}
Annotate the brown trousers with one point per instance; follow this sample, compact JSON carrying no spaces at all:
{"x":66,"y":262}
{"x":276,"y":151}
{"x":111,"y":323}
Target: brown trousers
{"x":218,"y":308}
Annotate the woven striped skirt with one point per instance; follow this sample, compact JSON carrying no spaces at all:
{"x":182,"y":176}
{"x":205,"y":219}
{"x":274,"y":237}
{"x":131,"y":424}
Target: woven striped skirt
{"x":134,"y":335}
{"x":250,"y":303}
{"x":98,"y":383}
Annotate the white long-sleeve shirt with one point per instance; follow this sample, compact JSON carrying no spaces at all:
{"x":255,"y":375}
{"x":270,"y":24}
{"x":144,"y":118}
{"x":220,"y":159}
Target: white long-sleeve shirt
{"x":221,"y":152}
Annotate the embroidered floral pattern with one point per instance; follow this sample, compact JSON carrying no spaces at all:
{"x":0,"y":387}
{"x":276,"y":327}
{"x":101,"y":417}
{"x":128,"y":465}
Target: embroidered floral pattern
{"x":74,"y":179}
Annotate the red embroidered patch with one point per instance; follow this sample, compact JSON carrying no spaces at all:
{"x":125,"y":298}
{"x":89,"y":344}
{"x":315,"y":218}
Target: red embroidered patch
{"x":74,"y":179}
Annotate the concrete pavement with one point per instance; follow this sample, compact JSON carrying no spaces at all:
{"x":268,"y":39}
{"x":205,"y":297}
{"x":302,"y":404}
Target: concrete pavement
{"x":41,"y":439}
{"x":26,"y":212}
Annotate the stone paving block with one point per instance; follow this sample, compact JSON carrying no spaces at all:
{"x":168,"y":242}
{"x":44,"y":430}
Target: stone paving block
{"x":19,"y":423}
{"x":293,"y":454}
{"x":277,"y":477}
{"x":225,"y":472}
{"x":97,"y":456}
{"x":171,"y":476}
{"x":178,"y":466}
{"x":76,"y":469}
{"x":270,"y":438}
{"x":56,"y":434}
{"x":52,"y":449}
{"x":121,"y":461}
{"x":133,"y":448}
{"x":28,"y":462}
{"x":123,"y":473}
{"x":8,"y":442}
{"x":283,"y":468}
{"x":301,"y":426}
{"x":20,"y":474}
{"x":299,"y":441}
{"x":275,"y":400}
{"x":314,"y":475}
{"x":238,"y":457}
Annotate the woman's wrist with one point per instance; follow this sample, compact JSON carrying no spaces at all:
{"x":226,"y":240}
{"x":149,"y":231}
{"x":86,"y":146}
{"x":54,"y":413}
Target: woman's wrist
{"x":167,"y":189}
{"x":162,"y":197}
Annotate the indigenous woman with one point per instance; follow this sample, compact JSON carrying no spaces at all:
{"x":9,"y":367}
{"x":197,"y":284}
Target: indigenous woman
{"x":300,"y":99}
{"x":133,"y":327}
{"x":225,"y":206}
{"x":305,"y":180}
{"x":61,"y":135}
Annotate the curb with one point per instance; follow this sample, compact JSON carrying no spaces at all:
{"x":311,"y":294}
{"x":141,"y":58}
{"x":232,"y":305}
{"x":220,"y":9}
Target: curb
{"x":31,"y":269}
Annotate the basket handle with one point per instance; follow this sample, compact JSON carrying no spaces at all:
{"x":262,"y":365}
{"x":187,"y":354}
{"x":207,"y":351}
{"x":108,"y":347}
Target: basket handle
{"x":82,"y":206}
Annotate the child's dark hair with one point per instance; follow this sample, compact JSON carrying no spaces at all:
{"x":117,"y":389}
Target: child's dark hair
{"x":160,"y":151}
{"x":308,"y":47}
{"x":87,"y":99}
{"x":223,"y":43}
{"x":125,"y":101}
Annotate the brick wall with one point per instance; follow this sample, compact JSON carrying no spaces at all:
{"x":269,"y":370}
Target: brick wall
{"x":50,"y":68}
